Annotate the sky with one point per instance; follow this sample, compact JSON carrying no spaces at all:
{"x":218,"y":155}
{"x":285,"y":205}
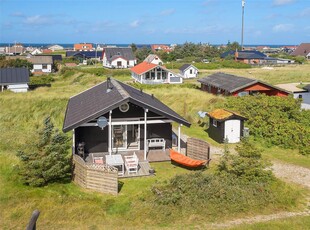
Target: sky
{"x":273,"y":22}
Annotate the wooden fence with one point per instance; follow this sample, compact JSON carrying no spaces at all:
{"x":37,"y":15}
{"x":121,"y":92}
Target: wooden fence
{"x":198,"y":149}
{"x":100,"y":178}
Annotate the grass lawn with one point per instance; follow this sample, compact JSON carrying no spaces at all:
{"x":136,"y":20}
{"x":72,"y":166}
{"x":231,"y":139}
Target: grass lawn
{"x":66,"y":206}
{"x":296,"y":223}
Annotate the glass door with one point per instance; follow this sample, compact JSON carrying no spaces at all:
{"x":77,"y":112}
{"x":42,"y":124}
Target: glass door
{"x":119,"y":136}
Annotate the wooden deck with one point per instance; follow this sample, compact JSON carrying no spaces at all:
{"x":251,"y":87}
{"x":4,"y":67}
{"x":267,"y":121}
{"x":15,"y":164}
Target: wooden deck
{"x":144,"y":166}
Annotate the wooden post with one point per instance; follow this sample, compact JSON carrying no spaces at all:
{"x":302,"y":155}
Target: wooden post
{"x":73,"y":141}
{"x":110,"y":133}
{"x":179,"y":138}
{"x":145,"y":132}
{"x":33,"y":220}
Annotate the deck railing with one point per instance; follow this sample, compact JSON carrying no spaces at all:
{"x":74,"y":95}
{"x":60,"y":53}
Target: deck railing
{"x":101,"y":178}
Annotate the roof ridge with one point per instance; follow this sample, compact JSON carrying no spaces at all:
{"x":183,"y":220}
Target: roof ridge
{"x":120,"y":89}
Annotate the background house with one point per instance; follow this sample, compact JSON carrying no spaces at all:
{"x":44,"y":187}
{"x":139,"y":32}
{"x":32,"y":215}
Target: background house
{"x":55,"y":47}
{"x":154,"y":59}
{"x":85,"y":55}
{"x":228,"y":84}
{"x":246,"y":56}
{"x":302,"y":50}
{"x":164,"y":48}
{"x":16,"y":49}
{"x":41,"y":64}
{"x":188,"y":71}
{"x":14,"y":79}
{"x":118,"y":57}
{"x":83,"y":47}
{"x":226,"y":125}
{"x":149,"y":73}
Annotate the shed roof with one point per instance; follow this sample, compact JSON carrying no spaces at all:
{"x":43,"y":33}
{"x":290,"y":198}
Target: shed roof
{"x":223,"y":114}
{"x":14,"y":75}
{"x":125,"y":52}
{"x":228,"y":82}
{"x":232,"y":83}
{"x":97,"y":101}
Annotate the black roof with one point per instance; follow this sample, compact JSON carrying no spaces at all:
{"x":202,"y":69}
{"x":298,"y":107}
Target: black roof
{"x":86,"y":54}
{"x":56,"y":57}
{"x":231,"y":83}
{"x":97,"y":101}
{"x":228,"y":82}
{"x":245,"y":54}
{"x":113,"y":52}
{"x":185,"y":66}
{"x":14,"y":75}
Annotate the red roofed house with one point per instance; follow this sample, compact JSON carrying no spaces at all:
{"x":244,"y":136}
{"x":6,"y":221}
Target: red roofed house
{"x":149,"y":73}
{"x":165,"y":48}
{"x":302,"y":50}
{"x":83,"y":47}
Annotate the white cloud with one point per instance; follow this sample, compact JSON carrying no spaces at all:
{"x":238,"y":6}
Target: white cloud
{"x":283,"y":28}
{"x":38,"y":20}
{"x":167,"y":12}
{"x":282,"y":2}
{"x":135,"y":23}
{"x":305,"y":12}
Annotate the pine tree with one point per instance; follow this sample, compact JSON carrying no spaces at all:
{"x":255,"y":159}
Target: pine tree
{"x":50,"y":162}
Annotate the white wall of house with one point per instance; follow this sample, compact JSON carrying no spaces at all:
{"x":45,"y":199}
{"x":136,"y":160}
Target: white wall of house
{"x":157,"y":76}
{"x":157,"y":61}
{"x":18,"y":88}
{"x":190,"y":72}
{"x":232,"y":130}
{"x":45,"y":68}
{"x":118,"y":63}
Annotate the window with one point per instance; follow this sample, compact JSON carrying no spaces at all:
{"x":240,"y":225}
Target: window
{"x":119,"y":63}
{"x":215,"y":123}
{"x":44,"y":66}
{"x":191,"y":71}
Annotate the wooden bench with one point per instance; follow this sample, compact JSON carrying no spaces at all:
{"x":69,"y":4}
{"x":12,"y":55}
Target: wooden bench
{"x":155,"y":143}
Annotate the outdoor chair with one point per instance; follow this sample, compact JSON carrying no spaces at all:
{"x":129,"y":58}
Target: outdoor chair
{"x":132,"y":163}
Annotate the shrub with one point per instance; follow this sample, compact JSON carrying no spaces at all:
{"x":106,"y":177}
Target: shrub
{"x":48,"y":161}
{"x":277,"y":120}
{"x":246,"y":164}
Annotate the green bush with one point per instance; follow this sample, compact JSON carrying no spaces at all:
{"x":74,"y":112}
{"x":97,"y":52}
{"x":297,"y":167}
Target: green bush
{"x":275,"y":120}
{"x":246,"y":164}
{"x":48,"y":160}
{"x":41,"y":80}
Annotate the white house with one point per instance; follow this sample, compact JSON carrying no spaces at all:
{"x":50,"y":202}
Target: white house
{"x":188,"y":71}
{"x":41,"y":64}
{"x":55,"y":47}
{"x":120,"y":58}
{"x":14,"y":79}
{"x":149,"y":73}
{"x":36,"y":51}
{"x":153,"y":58}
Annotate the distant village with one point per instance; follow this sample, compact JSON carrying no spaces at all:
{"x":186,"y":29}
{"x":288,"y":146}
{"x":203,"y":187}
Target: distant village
{"x":147,"y":64}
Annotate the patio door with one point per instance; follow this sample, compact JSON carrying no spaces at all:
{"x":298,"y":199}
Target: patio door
{"x":126,"y":137}
{"x":119,"y":133}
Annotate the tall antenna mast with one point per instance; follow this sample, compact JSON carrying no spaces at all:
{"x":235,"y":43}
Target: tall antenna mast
{"x":243,"y":3}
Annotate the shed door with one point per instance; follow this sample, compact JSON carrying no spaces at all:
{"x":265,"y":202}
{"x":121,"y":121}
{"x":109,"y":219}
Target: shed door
{"x":232,"y":131}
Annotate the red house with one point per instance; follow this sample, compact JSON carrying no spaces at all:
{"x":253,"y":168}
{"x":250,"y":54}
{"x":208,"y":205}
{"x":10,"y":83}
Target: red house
{"x":227,"y":84}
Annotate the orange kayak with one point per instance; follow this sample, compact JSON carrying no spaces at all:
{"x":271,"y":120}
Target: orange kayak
{"x":184,"y":160}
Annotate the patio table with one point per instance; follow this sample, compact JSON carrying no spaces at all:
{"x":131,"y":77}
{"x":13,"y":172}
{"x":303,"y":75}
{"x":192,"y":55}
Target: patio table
{"x":116,"y":160}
